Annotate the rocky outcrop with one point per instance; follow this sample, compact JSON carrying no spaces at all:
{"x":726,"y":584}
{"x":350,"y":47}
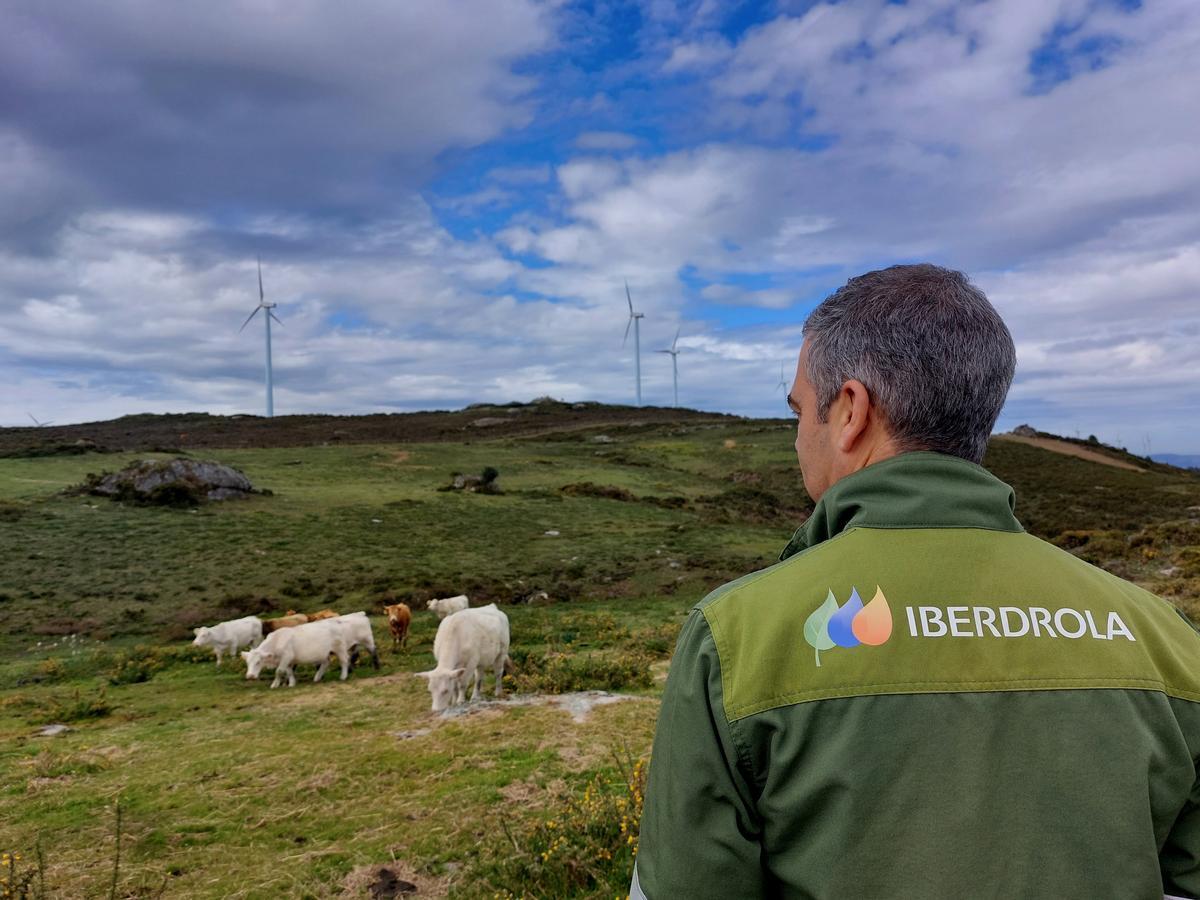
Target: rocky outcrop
{"x":171,"y":482}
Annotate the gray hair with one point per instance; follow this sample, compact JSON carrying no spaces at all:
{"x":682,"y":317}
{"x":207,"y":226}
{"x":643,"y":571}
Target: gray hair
{"x":933,"y":353}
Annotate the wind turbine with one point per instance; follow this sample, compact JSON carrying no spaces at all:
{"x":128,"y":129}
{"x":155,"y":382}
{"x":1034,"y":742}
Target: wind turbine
{"x":783,"y":385}
{"x":269,"y":315}
{"x":674,"y":363}
{"x":37,"y":423}
{"x":637,"y":342}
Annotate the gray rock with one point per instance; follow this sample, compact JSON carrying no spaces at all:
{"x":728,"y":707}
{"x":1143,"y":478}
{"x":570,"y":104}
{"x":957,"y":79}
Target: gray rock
{"x":172,"y":481}
{"x":1025,"y":431}
{"x":53,"y":730}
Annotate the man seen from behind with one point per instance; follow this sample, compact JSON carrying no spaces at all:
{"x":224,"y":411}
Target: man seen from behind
{"x":921,"y":700}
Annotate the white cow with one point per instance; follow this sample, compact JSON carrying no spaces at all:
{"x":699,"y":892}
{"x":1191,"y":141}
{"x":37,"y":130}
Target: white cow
{"x":357,"y":631}
{"x":229,"y":637}
{"x":309,"y":644}
{"x":468,"y":643}
{"x":449,"y":605}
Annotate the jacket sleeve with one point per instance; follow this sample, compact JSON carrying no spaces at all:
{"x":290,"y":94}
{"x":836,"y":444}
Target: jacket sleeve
{"x":699,"y":830}
{"x":1179,"y":858}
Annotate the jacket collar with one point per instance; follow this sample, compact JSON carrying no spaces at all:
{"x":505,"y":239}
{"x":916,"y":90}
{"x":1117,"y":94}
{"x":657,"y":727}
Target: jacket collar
{"x":913,"y":490}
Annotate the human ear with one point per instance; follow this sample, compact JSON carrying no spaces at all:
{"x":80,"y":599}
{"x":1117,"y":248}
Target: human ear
{"x":854,"y":413}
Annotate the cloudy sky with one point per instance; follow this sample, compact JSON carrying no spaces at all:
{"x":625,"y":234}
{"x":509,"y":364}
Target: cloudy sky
{"x":447,"y":198}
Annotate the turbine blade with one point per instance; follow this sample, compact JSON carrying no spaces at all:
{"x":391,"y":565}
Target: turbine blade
{"x":35,"y":421}
{"x":260,"y":290}
{"x":273,"y":316}
{"x":676,"y":341}
{"x":627,"y":297}
{"x":628,"y":325}
{"x":248,"y":318}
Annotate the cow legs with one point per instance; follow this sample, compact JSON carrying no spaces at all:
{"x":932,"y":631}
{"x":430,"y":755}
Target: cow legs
{"x":499,"y":670}
{"x":344,"y":659}
{"x":321,"y":669}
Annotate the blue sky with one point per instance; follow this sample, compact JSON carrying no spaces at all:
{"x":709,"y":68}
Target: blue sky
{"x":448,"y":200}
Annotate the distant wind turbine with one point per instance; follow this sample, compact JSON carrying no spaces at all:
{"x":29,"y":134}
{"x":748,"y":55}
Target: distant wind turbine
{"x":674,"y":363}
{"x":37,"y":423}
{"x":783,"y":385}
{"x":269,"y":315}
{"x":637,"y":342}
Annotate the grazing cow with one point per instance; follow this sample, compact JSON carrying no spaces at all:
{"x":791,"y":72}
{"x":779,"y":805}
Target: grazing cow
{"x":399,"y":618}
{"x":356,"y":628}
{"x":291,"y":620}
{"x":468,"y":643}
{"x":229,"y":637}
{"x":449,"y":605}
{"x":323,"y":614}
{"x":305,"y":645}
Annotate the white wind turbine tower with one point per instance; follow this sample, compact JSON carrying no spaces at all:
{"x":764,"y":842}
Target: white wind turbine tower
{"x":674,"y":363}
{"x":637,"y":342}
{"x":269,"y":315}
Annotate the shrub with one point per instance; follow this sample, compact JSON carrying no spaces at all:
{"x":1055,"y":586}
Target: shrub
{"x":603,"y":491}
{"x":136,"y":666}
{"x":77,"y":708}
{"x":585,"y":848}
{"x":19,"y":882}
{"x":561,"y":673}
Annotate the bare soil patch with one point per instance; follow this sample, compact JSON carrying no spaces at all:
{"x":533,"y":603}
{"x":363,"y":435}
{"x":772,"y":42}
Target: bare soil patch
{"x":385,"y":881}
{"x":1068,"y":449}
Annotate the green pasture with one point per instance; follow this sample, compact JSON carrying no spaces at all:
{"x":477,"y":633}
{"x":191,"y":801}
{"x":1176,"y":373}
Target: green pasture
{"x":229,"y":789}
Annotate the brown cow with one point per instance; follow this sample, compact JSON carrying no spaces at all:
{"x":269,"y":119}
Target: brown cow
{"x":289,"y":621}
{"x":399,"y":617}
{"x":323,"y":614}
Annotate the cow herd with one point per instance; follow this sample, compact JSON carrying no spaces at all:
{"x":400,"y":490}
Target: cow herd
{"x":469,"y":643}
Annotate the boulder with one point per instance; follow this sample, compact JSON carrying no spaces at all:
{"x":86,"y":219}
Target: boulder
{"x":1025,"y":431}
{"x":171,"y":482}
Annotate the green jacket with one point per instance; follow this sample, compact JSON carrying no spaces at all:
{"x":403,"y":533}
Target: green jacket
{"x":921,"y":700}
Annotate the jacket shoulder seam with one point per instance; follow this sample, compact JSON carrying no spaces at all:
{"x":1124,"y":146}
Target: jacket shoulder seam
{"x":930,"y":686}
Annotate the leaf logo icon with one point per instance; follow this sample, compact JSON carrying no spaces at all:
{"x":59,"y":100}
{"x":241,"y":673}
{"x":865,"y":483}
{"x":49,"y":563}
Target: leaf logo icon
{"x":816,"y":627}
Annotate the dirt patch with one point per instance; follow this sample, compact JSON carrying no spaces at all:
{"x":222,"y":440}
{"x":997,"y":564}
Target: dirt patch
{"x":578,"y":704}
{"x":37,"y":785}
{"x":1068,"y":449}
{"x":528,"y":793}
{"x":385,"y":881}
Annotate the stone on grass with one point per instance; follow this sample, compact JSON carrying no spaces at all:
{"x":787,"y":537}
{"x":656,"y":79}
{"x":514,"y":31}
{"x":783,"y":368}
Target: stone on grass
{"x":171,"y":482}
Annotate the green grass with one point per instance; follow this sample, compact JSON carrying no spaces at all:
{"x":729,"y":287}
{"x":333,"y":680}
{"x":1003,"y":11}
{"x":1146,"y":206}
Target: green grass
{"x":229,"y":789}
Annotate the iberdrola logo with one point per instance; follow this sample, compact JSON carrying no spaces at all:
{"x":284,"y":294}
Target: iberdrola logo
{"x":853,"y":624}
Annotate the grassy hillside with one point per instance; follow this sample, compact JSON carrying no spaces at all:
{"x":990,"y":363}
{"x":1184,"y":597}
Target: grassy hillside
{"x":604,"y":535}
